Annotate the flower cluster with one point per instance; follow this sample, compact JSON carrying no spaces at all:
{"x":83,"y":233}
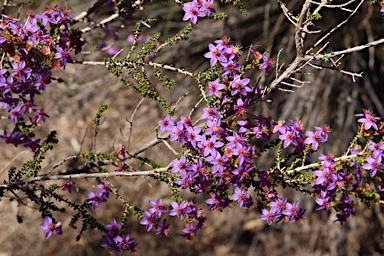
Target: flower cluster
{"x":218,"y":157}
{"x":335,"y":185}
{"x":115,"y":242}
{"x":293,"y":134}
{"x":282,"y":209}
{"x":228,"y":55}
{"x":31,"y":51}
{"x":185,"y":211}
{"x":197,"y":8}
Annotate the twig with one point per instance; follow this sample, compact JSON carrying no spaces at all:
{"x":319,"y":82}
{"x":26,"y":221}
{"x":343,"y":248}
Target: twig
{"x":131,"y":121}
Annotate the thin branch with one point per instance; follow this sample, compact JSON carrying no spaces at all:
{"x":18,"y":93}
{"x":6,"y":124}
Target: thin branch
{"x":86,"y":175}
{"x":317,"y":165}
{"x":346,"y":51}
{"x":335,"y":28}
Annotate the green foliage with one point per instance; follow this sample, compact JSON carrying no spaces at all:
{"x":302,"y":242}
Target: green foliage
{"x":165,"y":80}
{"x":182,"y":35}
{"x":315,"y":16}
{"x":326,"y":58}
{"x":96,"y":120}
{"x":144,"y":160}
{"x":92,"y":156}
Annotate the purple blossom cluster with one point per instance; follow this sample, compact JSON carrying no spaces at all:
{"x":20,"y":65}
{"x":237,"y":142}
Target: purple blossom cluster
{"x":186,"y":211}
{"x":281,"y":209}
{"x":198,"y":8}
{"x":227,"y":56}
{"x":32,"y":51}
{"x":331,"y":182}
{"x":115,"y":240}
{"x":293,"y":134}
{"x":218,"y":157}
{"x":334,"y":185}
{"x":100,"y":196}
{"x":221,"y":153}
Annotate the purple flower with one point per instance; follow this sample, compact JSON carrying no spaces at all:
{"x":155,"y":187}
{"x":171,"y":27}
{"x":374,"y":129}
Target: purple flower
{"x":210,"y":146}
{"x":41,"y":115}
{"x":377,"y":148}
{"x":158,"y":207}
{"x":368,"y":120}
{"x":238,"y":85}
{"x":51,"y":227}
{"x":110,"y":243}
{"x":21,"y":70}
{"x":210,"y":114}
{"x":163,"y":230}
{"x":288,"y":137}
{"x":113,"y":228}
{"x":125,"y":243}
{"x":372,"y":164}
{"x":292,"y":211}
{"x":122,"y":167}
{"x":219,"y":164}
{"x":279,"y":205}
{"x":230,"y":68}
{"x":214,"y":127}
{"x":150,"y":220}
{"x":15,"y":114}
{"x":180,"y":165}
{"x":192,"y":135}
{"x":215,"y":87}
{"x":267,"y":64}
{"x":235,"y":141}
{"x":179,"y":210}
{"x":178,"y":133}
{"x":269,"y":216}
{"x":14,"y":138}
{"x":240,"y":196}
{"x":33,"y":144}
{"x":95,"y":199}
{"x":215,"y":203}
{"x":166,"y":124}
{"x":280,"y":126}
{"x":323,"y":201}
{"x":189,"y":231}
{"x":243,"y":154}
{"x":381,"y":9}
{"x":104,"y":189}
{"x":313,"y":139}
{"x":215,"y":54}
{"x":185,"y":181}
{"x":192,"y":12}
{"x":63,"y":54}
{"x":68,"y":186}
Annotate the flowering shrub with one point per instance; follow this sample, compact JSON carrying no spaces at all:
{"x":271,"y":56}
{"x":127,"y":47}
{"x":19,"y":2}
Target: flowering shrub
{"x":219,"y":152}
{"x":31,"y":51}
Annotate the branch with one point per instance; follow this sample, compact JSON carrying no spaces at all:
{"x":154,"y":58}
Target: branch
{"x":85,"y":175}
{"x":349,"y":50}
{"x":316,"y":165}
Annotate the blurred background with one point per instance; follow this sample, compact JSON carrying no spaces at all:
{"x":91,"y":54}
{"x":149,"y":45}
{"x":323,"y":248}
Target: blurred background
{"x":331,"y":98}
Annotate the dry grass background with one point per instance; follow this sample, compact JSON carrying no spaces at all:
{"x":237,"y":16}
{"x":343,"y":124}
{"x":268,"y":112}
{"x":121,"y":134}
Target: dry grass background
{"x":331,"y":98}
